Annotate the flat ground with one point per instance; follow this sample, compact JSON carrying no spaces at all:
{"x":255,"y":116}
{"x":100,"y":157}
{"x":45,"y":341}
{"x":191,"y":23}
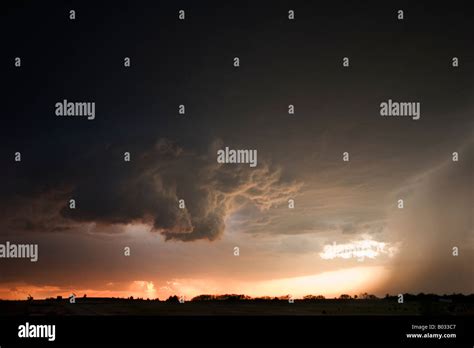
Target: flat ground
{"x":107,"y":306}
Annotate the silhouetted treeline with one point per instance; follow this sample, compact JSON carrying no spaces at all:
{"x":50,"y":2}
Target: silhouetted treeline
{"x":421,"y":297}
{"x":432,"y":297}
{"x":365,"y":296}
{"x":226,"y":297}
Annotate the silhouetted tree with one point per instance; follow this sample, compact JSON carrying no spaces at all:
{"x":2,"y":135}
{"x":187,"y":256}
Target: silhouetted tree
{"x":203,"y":298}
{"x":263,"y":298}
{"x":313,"y":298}
{"x":284,"y":298}
{"x":233,"y":297}
{"x":173,"y":299}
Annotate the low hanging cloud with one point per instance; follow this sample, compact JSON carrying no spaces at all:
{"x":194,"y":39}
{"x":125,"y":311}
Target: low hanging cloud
{"x":148,"y":190}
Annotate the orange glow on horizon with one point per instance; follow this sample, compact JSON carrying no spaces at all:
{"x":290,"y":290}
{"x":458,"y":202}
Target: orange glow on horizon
{"x":329,"y":284}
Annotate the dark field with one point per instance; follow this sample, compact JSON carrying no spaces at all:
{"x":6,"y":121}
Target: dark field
{"x":108,"y":306}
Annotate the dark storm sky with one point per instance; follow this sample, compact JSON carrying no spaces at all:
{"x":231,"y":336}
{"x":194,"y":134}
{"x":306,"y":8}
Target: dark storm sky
{"x":173,"y":156}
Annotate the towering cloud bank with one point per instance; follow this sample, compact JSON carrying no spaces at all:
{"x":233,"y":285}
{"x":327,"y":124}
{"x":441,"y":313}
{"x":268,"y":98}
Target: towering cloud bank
{"x":149,"y":189}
